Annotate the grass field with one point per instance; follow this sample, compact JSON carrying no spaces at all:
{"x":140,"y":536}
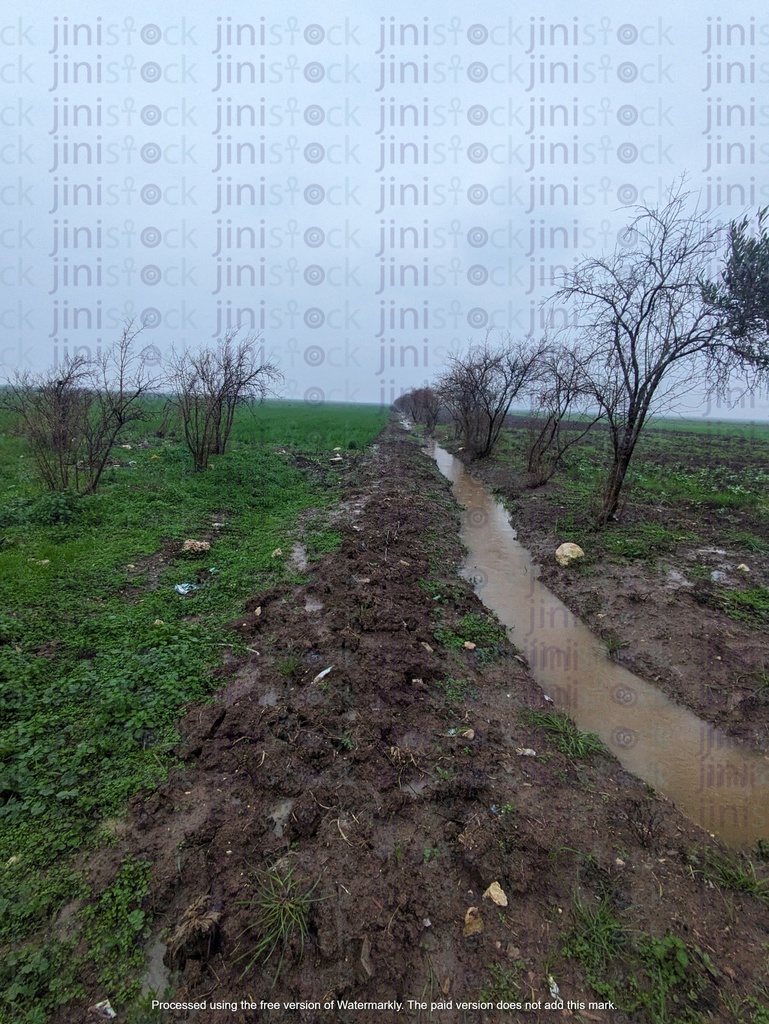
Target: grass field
{"x":705,"y":471}
{"x":99,"y":653}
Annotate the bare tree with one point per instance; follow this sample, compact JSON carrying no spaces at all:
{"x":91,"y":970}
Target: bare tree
{"x":119,"y":380}
{"x":72,"y":415}
{"x":480,"y":386}
{"x":560,"y":393}
{"x":51,"y":409}
{"x":646,"y":333}
{"x":209,"y":385}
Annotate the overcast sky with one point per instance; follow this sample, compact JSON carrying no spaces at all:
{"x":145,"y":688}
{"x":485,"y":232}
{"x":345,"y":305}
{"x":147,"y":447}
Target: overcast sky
{"x":369,"y":188}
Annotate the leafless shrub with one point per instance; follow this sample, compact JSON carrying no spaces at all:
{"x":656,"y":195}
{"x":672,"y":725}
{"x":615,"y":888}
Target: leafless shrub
{"x":209,"y":385}
{"x":422,"y":405}
{"x":480,"y":386}
{"x":72,"y":415}
{"x":561,"y":391}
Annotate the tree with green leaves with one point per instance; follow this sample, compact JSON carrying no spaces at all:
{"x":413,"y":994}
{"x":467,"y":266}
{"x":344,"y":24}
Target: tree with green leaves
{"x":741,"y":293}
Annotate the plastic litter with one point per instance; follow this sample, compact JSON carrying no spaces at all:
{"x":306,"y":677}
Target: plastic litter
{"x":554,"y":990}
{"x":185,"y":588}
{"x":525,"y":752}
{"x":323,"y":674}
{"x":103,"y":1010}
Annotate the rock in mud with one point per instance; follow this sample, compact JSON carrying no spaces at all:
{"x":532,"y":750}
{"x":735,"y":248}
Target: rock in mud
{"x":568,"y":552}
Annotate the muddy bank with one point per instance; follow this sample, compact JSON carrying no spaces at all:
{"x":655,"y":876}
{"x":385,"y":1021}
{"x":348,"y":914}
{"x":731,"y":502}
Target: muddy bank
{"x":719,"y":783}
{"x":660,"y":614}
{"x":374,"y":766}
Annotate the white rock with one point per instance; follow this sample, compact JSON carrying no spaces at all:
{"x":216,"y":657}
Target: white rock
{"x":568,"y":552}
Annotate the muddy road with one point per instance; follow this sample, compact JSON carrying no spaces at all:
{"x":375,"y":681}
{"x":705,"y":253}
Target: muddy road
{"x":382,"y":791}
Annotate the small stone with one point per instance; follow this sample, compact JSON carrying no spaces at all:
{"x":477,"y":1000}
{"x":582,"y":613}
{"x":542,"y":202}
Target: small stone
{"x":196,"y":546}
{"x":496,"y":894}
{"x":473,"y":922}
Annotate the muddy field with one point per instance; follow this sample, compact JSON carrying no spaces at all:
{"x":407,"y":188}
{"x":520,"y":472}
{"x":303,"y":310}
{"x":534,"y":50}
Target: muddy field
{"x":375,"y":806}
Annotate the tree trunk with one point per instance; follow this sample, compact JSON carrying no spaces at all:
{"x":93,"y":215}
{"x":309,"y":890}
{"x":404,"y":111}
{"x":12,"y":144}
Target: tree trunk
{"x":615,"y":484}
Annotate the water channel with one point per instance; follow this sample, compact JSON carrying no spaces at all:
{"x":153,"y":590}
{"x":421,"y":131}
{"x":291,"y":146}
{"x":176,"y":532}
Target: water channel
{"x":713,"y":779}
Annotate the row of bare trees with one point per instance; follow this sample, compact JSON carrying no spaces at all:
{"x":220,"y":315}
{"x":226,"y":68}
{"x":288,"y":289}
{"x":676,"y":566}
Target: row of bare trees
{"x":73,"y":415}
{"x":653,"y":325}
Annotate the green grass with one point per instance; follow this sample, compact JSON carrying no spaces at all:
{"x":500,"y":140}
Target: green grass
{"x":734,"y":872}
{"x":685,"y":466}
{"x":637,"y":971}
{"x":280,"y":908}
{"x":751,"y":605}
{"x":456,"y":690}
{"x":567,"y":738}
{"x":99,"y":654}
{"x":480,"y":630}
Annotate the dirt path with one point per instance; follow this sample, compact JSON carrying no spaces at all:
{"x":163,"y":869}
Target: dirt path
{"x":390,"y":792}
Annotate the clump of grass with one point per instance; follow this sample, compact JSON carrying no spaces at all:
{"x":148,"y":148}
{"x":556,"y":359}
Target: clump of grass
{"x":596,"y":940}
{"x":737,"y":873}
{"x":750,"y":605}
{"x":567,"y":737}
{"x":281,"y":907}
{"x":614,"y":644}
{"x":287,"y":666}
{"x":475,"y":629}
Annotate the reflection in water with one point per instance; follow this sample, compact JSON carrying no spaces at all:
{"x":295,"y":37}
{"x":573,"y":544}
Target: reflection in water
{"x":709,"y":775}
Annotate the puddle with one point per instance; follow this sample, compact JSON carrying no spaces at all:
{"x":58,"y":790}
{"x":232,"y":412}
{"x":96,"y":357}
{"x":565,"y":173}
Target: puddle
{"x":279,"y":815}
{"x":157,"y":977}
{"x":713,"y":779}
{"x":298,"y":558}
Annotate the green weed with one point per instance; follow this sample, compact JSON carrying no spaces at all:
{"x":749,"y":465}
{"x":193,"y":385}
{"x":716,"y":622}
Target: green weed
{"x":735,"y":872}
{"x":505,"y":983}
{"x":658,"y":974}
{"x":566,"y":736}
{"x":456,"y":690}
{"x":281,"y":916}
{"x":751,"y":605}
{"x":475,"y":629}
{"x":89,"y":719}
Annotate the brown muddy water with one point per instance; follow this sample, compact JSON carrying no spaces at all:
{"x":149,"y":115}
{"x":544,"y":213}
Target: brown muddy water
{"x":713,"y":779}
